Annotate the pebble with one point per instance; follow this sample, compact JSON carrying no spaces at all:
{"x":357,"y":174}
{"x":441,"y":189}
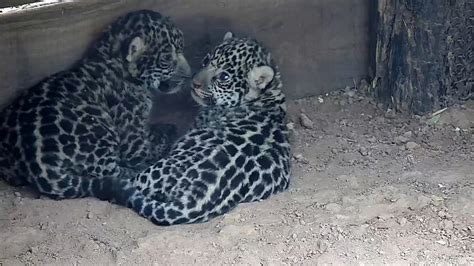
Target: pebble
{"x":390,"y":114}
{"x":17,"y":194}
{"x":443,"y":214}
{"x":364,"y":85}
{"x":447,"y":225}
{"x":408,"y":134}
{"x":32,"y":249}
{"x":333,"y":207}
{"x":401,"y":140}
{"x":300,"y":158}
{"x":363,"y":151}
{"x":322,"y":245}
{"x":441,"y":242}
{"x":89,"y":215}
{"x":372,"y":140}
{"x":350,"y":93}
{"x":402,"y":221}
{"x":411,"y":145}
{"x":43,"y":226}
{"x":305,"y":121}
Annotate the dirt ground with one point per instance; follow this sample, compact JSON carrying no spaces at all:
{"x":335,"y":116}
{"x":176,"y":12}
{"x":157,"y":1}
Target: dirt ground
{"x":368,"y":187}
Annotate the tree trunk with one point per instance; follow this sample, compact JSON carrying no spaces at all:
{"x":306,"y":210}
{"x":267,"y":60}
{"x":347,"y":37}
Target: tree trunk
{"x":424,"y":53}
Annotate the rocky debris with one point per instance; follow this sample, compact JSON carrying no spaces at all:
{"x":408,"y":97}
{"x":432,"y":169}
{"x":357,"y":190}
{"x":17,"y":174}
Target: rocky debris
{"x":305,"y":121}
{"x":390,"y":114}
{"x":408,"y":134}
{"x":399,"y":140}
{"x":300,"y":158}
{"x":372,"y":139}
{"x":363,"y":151}
{"x":411,"y":145}
{"x":350,"y":93}
{"x":333,"y":207}
{"x":402,"y":221}
{"x":322,"y":245}
{"x":364,"y":86}
{"x":462,"y":118}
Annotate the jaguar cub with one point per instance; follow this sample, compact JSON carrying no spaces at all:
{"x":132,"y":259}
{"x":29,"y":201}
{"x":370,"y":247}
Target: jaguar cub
{"x":238,"y":150}
{"x":78,"y":129}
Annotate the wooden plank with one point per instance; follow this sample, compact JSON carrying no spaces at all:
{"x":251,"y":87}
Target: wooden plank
{"x":320,"y":45}
{"x":12,"y":3}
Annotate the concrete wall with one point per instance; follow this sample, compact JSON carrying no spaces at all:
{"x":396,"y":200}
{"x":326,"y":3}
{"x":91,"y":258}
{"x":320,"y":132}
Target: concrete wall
{"x":320,"y":45}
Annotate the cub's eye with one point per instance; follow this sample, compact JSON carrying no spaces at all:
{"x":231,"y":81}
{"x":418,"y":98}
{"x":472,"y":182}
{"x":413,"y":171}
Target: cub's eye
{"x":165,"y":60}
{"x":223,"y":76}
{"x":206,"y":60}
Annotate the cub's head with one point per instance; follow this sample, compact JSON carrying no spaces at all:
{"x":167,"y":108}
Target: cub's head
{"x":235,"y":72}
{"x":152,"y":49}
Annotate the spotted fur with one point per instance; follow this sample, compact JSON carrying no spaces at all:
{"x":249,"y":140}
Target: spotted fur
{"x":238,"y":150}
{"x":79,"y":128}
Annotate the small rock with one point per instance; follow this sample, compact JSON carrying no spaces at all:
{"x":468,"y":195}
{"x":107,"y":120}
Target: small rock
{"x":444,"y":215}
{"x":363,"y":151}
{"x":390,"y":114}
{"x":441,"y":242}
{"x":411,"y":145}
{"x":42,"y":226}
{"x":334,"y":151}
{"x":350,"y":93}
{"x":320,"y":99}
{"x":294,"y":236}
{"x":447,"y":225}
{"x":437,"y":201}
{"x":89,"y":215}
{"x":291,"y":126}
{"x":322,"y":245}
{"x":410,"y":159}
{"x":364,"y":85}
{"x":372,"y":140}
{"x":305,"y":121}
{"x":401,"y":140}
{"x":333,"y":207}
{"x":402,"y":221}
{"x":32,"y":249}
{"x":408,"y":134}
{"x":300,"y":158}
{"x":17,"y":194}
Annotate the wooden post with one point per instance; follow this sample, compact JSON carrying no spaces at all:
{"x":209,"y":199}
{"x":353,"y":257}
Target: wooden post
{"x":424,"y":53}
{"x":12,"y":3}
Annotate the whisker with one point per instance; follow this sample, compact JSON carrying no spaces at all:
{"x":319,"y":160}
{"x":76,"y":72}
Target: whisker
{"x":182,"y":76}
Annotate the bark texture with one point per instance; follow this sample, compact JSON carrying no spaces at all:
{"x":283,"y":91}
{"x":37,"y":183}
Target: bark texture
{"x":424,"y":53}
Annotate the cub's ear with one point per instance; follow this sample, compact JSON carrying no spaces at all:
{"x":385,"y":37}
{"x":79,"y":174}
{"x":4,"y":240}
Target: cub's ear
{"x":228,"y":35}
{"x":258,"y":79}
{"x":135,"y":49}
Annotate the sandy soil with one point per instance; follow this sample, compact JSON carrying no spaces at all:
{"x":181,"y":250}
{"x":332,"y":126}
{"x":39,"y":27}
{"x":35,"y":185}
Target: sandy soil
{"x":368,"y":187}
